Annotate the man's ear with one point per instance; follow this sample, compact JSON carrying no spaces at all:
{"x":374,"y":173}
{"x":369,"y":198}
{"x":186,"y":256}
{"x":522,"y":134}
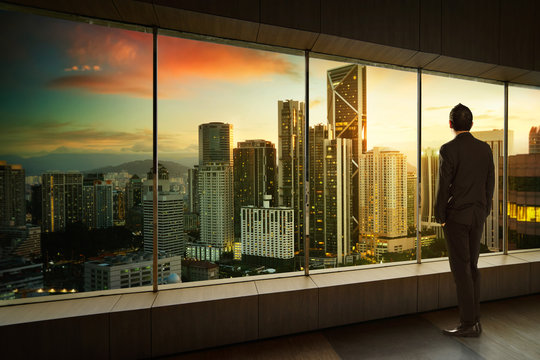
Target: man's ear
{"x":451,"y":125}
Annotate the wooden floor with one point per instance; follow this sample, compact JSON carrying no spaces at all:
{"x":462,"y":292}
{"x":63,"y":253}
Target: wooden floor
{"x":511,"y":330}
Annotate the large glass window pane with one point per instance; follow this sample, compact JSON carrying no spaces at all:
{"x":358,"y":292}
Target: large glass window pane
{"x":486,"y":101}
{"x":523,"y":213}
{"x":231,"y":148}
{"x":76,"y":120}
{"x":362,"y":164}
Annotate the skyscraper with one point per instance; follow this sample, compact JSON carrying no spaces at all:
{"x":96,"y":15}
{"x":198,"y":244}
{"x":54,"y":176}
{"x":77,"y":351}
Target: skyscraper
{"x":193,"y":189}
{"x":347,"y":109}
{"x":216,"y":205}
{"x":216,"y":200}
{"x":89,"y":216}
{"x":171,"y":237}
{"x":103,"y":204}
{"x":318,"y":134}
{"x":534,"y":140}
{"x":254,"y":176}
{"x":62,"y":199}
{"x":383,"y":193}
{"x":12,"y":190}
{"x":430,"y":182}
{"x":337,"y":197}
{"x":291,"y":124}
{"x":133,"y":192}
{"x":412,"y":199}
{"x":215,"y":143}
{"x":119,"y":205}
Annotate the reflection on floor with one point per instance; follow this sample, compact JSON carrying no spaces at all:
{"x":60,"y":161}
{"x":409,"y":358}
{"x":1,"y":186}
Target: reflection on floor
{"x":511,"y":330}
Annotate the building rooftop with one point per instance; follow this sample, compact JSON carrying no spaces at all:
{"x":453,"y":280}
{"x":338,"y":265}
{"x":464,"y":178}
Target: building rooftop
{"x":128,"y":258}
{"x":199,"y":264}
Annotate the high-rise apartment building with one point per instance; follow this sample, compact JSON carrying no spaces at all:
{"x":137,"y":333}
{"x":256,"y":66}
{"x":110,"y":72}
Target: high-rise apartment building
{"x":119,"y":206}
{"x":534,"y":140}
{"x":193,"y":190}
{"x":347,"y":110}
{"x":103,"y":204}
{"x":89,"y":215}
{"x":12,"y":190}
{"x":383,"y":193}
{"x":133,"y":192}
{"x":412,"y":199}
{"x":216,"y":205}
{"x":215,"y":143}
{"x":337,"y":197}
{"x":267,"y":232}
{"x":291,"y":125}
{"x":430,"y":182}
{"x":170,"y":213}
{"x":62,"y":199}
{"x":254,"y":176}
{"x":318,"y":134}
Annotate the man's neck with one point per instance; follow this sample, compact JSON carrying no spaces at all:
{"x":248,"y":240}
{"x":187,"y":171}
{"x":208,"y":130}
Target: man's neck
{"x":461,"y":132}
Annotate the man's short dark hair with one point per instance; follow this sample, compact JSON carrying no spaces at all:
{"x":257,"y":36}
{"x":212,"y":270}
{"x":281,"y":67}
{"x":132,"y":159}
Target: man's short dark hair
{"x":461,"y":118}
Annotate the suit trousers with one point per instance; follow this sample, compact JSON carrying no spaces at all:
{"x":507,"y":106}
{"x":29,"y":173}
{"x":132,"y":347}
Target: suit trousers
{"x":463,"y":244}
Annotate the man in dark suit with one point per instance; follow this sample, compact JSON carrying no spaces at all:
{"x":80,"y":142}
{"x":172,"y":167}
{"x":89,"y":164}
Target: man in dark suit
{"x":466,"y":182}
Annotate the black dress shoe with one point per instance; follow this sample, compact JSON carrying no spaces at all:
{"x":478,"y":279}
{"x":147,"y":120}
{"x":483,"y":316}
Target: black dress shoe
{"x":465,"y":331}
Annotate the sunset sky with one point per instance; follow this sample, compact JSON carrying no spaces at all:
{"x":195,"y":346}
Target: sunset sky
{"x":77,"y":88}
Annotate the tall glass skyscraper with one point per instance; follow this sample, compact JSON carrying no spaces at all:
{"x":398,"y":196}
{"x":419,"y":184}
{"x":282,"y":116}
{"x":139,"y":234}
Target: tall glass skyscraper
{"x":347,"y":109}
{"x":291,"y":124}
{"x":318,"y":134}
{"x":215,"y":143}
{"x":337,"y":197}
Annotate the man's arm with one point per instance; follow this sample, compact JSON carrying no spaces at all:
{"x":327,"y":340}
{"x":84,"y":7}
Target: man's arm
{"x":490,"y":183}
{"x":446,"y":174}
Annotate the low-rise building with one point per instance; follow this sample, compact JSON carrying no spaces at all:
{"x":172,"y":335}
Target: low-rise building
{"x":130,"y":270}
{"x":195,"y":270}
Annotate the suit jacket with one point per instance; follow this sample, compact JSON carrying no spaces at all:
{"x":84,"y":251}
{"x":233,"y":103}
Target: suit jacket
{"x":466,"y":180}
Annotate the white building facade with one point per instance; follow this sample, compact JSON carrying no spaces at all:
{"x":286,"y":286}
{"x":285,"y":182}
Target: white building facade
{"x":267,"y":232}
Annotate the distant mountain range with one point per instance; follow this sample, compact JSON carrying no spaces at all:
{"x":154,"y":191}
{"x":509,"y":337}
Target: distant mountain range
{"x":92,"y":162}
{"x":142,"y":167}
{"x":103,"y":163}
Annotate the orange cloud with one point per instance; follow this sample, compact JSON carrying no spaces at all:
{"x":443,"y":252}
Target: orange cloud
{"x":124,"y":59}
{"x":83,"y":68}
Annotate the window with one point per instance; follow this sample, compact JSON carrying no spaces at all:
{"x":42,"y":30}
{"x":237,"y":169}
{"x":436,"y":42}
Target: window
{"x":362,"y":162}
{"x":523,"y":168}
{"x":486,"y":102}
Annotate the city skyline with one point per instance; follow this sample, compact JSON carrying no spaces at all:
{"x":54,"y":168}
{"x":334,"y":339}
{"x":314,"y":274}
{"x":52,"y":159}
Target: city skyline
{"x":87,"y":89}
